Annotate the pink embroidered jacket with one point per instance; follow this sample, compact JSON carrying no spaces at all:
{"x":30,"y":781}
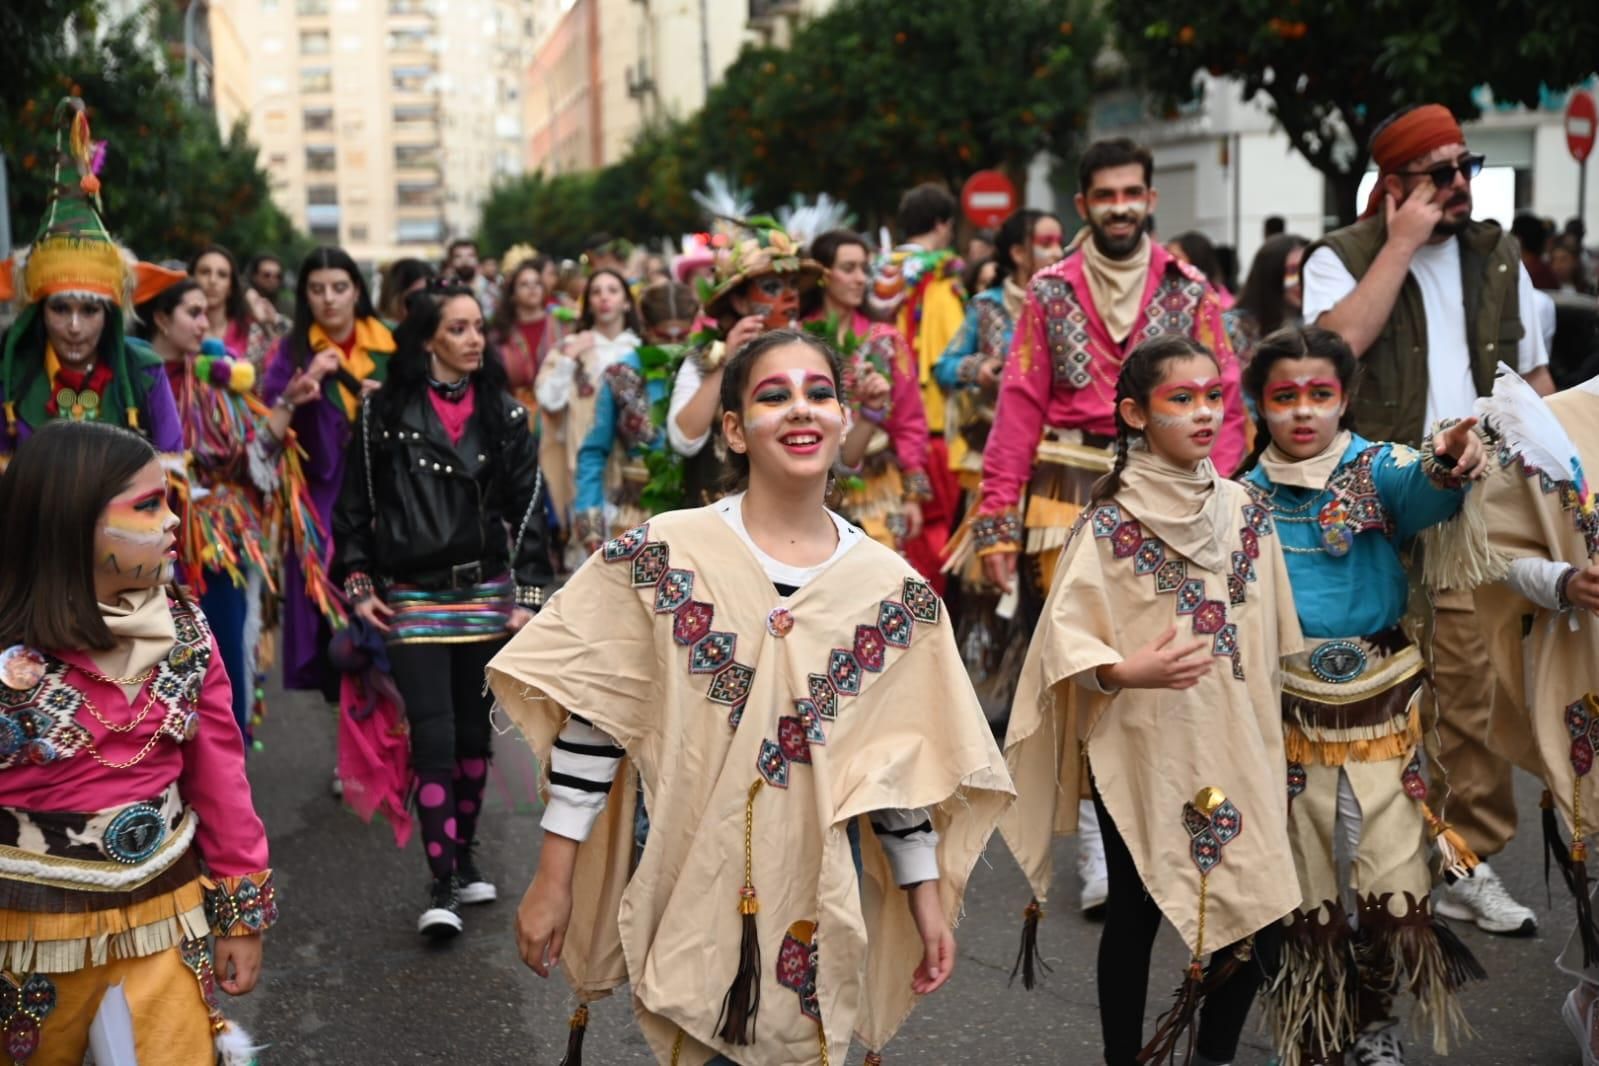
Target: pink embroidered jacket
{"x":62,"y":775}
{"x":906,"y":422}
{"x":1063,"y":366}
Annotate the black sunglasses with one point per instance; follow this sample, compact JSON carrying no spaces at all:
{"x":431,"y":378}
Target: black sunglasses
{"x":1443,"y":174}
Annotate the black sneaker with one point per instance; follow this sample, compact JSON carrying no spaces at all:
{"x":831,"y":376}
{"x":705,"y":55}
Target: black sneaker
{"x":442,"y":919}
{"x":475,"y":888}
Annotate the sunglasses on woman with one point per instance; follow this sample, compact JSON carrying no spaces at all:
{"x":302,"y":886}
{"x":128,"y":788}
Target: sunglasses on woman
{"x":1467,"y":166}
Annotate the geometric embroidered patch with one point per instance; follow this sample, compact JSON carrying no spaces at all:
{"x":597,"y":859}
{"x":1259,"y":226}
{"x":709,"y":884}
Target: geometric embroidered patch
{"x":1414,"y":784}
{"x":1126,"y":540}
{"x":732,"y":684}
{"x":626,"y":545}
{"x":1209,"y":617}
{"x":712,"y":652}
{"x":1583,"y":727}
{"x":691,"y":622}
{"x":1171,"y":575}
{"x":791,"y":740}
{"x":1151,"y":555}
{"x":773,"y":765}
{"x":1235,"y":589}
{"x":844,"y":672}
{"x":676,"y":589}
{"x":650,"y":564}
{"x":1209,"y":834}
{"x":1251,"y":543}
{"x":870,"y":648}
{"x":894,"y":622}
{"x":823,"y":696}
{"x":1190,"y":596}
{"x":1106,"y":519}
{"x":796,"y":967}
{"x":920,"y":599}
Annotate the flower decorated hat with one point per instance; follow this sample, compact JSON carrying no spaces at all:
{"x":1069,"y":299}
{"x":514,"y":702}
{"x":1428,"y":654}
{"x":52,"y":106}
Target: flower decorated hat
{"x":755,"y":248}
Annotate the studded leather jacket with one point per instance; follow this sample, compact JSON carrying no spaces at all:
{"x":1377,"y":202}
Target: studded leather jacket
{"x":419,"y":510}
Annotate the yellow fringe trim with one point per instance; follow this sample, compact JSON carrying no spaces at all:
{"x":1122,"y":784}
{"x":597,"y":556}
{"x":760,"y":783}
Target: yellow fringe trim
{"x":59,"y":943}
{"x":1301,"y":749}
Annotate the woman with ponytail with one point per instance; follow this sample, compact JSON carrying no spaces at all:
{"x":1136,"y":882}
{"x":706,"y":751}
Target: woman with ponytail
{"x":1150,"y":685}
{"x":1345,"y":508}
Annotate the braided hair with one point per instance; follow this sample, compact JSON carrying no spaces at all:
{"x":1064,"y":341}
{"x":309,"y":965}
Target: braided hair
{"x":1140,"y":374}
{"x":1294,"y":342}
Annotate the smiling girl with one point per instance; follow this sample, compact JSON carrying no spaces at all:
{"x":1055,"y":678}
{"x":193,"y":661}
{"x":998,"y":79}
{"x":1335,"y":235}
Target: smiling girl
{"x":1345,"y":507}
{"x":122,"y":785}
{"x":1154,"y":669}
{"x":776,"y":678}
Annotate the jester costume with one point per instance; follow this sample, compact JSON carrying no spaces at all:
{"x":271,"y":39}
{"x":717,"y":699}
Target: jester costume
{"x":1351,"y":703}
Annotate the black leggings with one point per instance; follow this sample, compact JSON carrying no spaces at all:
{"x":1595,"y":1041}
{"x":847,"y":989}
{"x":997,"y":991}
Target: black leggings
{"x":1132,"y":918}
{"x":442,"y":685}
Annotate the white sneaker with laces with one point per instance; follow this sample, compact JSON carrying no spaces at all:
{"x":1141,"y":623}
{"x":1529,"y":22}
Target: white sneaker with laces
{"x":1483,"y":899}
{"x":1090,"y":859}
{"x":1379,"y":1048}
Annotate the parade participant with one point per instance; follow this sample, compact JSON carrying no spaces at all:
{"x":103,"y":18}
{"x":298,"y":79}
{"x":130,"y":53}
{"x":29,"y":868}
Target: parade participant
{"x":397,"y":283}
{"x":1056,"y":416}
{"x":725,"y":614}
{"x":917,"y":287}
{"x":265,"y":275}
{"x":885,"y":451}
{"x":1196,"y":249}
{"x":461,"y":264}
{"x":1538,"y":627}
{"x":336,"y":353}
{"x":567,"y":388}
{"x":1272,"y":295}
{"x":1357,"y":815}
{"x":1430,"y":301}
{"x":523,"y":331}
{"x":66,"y":357}
{"x":442,"y":546}
{"x":620,"y":480}
{"x":760,"y":276}
{"x":242,"y":319}
{"x":125,"y":775}
{"x":1180,"y":739}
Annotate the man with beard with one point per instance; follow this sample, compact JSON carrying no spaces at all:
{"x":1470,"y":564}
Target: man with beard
{"x":1055,"y":419}
{"x":461,"y":263}
{"x":1431,"y":302}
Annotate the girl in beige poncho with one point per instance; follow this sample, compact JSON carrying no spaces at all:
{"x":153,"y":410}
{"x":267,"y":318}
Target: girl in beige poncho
{"x":775,"y":677}
{"x":1156,"y":667}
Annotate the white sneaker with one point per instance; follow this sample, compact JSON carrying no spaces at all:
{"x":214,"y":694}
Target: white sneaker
{"x":1380,"y":1048}
{"x":442,"y":918}
{"x":1095,"y":884}
{"x":474,"y":887}
{"x":1483,"y":899}
{"x":1578,"y":1013}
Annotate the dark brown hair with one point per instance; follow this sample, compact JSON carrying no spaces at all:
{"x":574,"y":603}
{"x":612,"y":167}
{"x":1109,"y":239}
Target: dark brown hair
{"x":824,"y":249}
{"x":1114,"y":152}
{"x":51,"y":498}
{"x":1263,"y":289}
{"x":630,"y":319}
{"x":736,"y":378}
{"x":667,"y":301}
{"x":1309,"y":342}
{"x":233,"y":305}
{"x":1140,"y":374}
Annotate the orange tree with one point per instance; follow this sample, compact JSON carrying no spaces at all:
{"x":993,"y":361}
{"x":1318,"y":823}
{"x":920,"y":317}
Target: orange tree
{"x":1333,"y":69}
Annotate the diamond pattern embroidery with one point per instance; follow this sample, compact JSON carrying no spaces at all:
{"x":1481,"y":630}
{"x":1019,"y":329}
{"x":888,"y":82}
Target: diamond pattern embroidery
{"x":1170,"y":577}
{"x":1190,"y":596}
{"x":732,"y":684}
{"x":650,"y":563}
{"x":691,"y":622}
{"x":1150,"y":557}
{"x":772,"y":764}
{"x":1126,"y":539}
{"x":1584,"y":730}
{"x":1226,"y":642}
{"x":870,"y":648}
{"x":894,"y":622}
{"x":1210,"y":617}
{"x":1235,"y":589}
{"x":791,"y":740}
{"x":1251,"y":543}
{"x":823,"y":695}
{"x":711,"y":652}
{"x":920,"y":600}
{"x":626,"y":545}
{"x":844,"y":672}
{"x":1243,"y":567}
{"x":675,"y":589}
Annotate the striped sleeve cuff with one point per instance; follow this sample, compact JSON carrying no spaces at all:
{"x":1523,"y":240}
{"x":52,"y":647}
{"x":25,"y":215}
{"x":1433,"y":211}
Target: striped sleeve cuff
{"x":911,"y":844}
{"x":582,"y":767}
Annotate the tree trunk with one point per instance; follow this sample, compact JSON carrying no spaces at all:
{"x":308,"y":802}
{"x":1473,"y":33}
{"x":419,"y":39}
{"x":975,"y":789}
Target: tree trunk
{"x":1346,"y":187}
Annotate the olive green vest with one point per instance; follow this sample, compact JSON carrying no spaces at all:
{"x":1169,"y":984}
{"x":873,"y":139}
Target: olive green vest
{"x":1391,"y":392}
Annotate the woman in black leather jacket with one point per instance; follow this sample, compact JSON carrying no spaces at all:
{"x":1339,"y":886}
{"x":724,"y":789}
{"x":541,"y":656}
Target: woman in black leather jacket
{"x":441,"y":540}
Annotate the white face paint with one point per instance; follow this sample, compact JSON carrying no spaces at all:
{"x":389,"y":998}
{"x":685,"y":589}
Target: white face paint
{"x":1131,"y":210}
{"x":769,"y":415}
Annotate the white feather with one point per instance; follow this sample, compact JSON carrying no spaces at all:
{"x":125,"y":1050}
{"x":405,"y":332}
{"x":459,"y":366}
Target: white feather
{"x":235,"y":1046}
{"x":807,"y":221}
{"x":722,"y":199}
{"x":1530,"y":430}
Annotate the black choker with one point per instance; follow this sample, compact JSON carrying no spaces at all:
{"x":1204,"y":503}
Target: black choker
{"x":452,"y":391}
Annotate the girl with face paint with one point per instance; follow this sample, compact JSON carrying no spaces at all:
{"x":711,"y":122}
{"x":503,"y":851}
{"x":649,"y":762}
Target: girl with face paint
{"x":687,"y":602}
{"x":1345,"y":509}
{"x":1156,"y":658}
{"x":131,"y":756}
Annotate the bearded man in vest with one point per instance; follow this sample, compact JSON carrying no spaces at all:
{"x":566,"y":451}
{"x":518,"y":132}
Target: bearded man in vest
{"x":1431,"y":302}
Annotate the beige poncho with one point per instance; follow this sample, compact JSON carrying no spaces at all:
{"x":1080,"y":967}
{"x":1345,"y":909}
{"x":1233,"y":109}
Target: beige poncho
{"x":1183,"y":548}
{"x":854,"y":700}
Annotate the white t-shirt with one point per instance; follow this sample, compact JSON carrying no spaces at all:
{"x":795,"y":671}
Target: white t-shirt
{"x":684,"y":386}
{"x":1451,"y":392}
{"x":731,"y":508}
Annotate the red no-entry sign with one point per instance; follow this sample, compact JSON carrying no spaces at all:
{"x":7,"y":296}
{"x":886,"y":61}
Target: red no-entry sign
{"x":988,"y":198}
{"x":1581,"y":120}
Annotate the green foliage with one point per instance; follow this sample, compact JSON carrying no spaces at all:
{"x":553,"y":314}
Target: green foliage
{"x":664,"y":490}
{"x":171,"y":182}
{"x":871,"y":98}
{"x":1332,"y":70}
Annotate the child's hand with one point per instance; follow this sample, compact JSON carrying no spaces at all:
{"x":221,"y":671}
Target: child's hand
{"x":541,"y":922}
{"x":237,"y":962}
{"x":938,"y":941}
{"x":1162,"y":664}
{"x":1459,"y":443}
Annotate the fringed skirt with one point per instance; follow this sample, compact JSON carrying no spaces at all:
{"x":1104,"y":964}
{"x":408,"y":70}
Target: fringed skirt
{"x":874,"y":499}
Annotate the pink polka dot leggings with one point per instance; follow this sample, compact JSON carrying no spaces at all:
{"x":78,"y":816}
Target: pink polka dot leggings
{"x":448,"y":711}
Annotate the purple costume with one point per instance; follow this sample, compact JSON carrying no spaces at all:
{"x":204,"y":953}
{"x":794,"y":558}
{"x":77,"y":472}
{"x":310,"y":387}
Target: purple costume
{"x":158,"y":415}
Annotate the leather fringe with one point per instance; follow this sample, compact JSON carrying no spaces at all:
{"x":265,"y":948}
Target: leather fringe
{"x":574,"y":1039}
{"x":1028,"y":957}
{"x":1300,"y":748}
{"x":1435,"y":962}
{"x":736,"y":1024}
{"x":1310,"y":1005}
{"x":1178,"y":1022}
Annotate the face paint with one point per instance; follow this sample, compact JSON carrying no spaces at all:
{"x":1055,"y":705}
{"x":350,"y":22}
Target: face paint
{"x":134,"y":539}
{"x":775,"y":299}
{"x":1187,"y":404}
{"x":1126,"y":211}
{"x":792,"y":395}
{"x":1317,"y":399}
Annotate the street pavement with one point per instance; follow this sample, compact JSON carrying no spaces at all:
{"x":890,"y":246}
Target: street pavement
{"x":347,"y":980}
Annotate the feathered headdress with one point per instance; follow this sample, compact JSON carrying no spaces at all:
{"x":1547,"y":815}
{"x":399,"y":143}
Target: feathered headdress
{"x":807,"y":221}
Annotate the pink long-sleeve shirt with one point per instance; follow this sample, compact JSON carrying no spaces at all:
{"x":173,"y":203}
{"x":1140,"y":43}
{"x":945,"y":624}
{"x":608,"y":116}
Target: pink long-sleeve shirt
{"x":1063,"y":365}
{"x":209,"y":769}
{"x":906,"y":424}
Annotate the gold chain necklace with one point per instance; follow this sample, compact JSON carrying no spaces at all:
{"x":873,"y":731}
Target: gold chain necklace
{"x":131,"y":726}
{"x":137,"y":679}
{"x":136,"y":760}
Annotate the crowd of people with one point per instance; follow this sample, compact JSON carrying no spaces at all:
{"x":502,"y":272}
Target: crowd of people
{"x":805,"y":561}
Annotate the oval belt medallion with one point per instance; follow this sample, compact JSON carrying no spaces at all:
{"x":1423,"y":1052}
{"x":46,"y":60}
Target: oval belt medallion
{"x":1338,"y":661}
{"x":135,"y":833}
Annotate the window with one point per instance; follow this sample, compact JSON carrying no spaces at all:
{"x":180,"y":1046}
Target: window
{"x":316,"y":79}
{"x":416,"y":118}
{"x":357,"y":233}
{"x":324,"y":216}
{"x":324,"y":234}
{"x":318,"y":120}
{"x":417,"y":194}
{"x":314,"y":43}
{"x":278,"y":160}
{"x":319,"y":160}
{"x":408,"y":40}
{"x":416,"y":155}
{"x":408,"y":79}
{"x":321,"y":195}
{"x":419,"y":230}
{"x":311,"y":7}
{"x":408,"y":7}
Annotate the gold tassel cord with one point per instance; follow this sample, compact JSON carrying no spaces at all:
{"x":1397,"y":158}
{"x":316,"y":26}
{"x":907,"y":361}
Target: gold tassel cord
{"x":743,"y":1000}
{"x":677,"y":1048}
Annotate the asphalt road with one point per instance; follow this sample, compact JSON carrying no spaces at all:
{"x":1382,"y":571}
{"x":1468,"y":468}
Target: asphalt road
{"x":348,"y":981}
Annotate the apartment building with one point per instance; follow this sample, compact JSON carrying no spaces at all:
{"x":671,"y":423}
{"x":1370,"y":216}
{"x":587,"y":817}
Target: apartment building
{"x":383,"y":124}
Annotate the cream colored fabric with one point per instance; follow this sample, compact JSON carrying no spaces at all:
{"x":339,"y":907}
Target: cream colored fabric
{"x":1184,"y":508}
{"x":1117,"y":286}
{"x":1152,"y":750}
{"x":1554,"y":666}
{"x":1312,"y":473}
{"x":141,"y":623}
{"x":913,"y":737}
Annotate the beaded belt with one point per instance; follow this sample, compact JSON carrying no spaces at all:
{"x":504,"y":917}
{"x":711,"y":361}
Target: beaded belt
{"x":116,"y":850}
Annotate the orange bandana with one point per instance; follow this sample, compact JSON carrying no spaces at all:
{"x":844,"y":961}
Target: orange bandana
{"x":1408,"y":138}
